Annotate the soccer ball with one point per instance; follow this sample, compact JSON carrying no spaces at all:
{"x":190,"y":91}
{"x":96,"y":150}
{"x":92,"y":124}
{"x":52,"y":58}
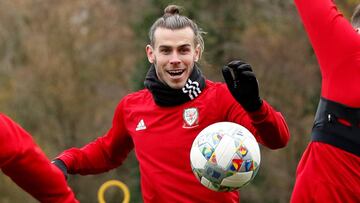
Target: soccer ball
{"x":225,"y":156}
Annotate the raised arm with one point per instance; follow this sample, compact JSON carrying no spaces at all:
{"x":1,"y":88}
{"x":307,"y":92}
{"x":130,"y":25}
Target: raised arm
{"x":331,"y":35}
{"x":268,"y":126}
{"x":337,"y":48}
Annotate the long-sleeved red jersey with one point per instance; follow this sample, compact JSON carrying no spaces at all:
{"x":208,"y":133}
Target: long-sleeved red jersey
{"x":162,"y":138}
{"x":327,"y":173}
{"x":24,"y":162}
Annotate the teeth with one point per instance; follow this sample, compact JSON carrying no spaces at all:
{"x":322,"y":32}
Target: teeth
{"x":175,"y":72}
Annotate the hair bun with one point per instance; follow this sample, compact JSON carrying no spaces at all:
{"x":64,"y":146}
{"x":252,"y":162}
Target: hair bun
{"x":172,"y":10}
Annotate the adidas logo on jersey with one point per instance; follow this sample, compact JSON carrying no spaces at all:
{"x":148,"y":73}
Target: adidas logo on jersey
{"x":141,"y":125}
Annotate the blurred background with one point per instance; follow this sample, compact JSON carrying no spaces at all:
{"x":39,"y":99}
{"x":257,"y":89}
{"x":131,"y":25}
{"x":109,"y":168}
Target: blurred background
{"x":64,"y":66}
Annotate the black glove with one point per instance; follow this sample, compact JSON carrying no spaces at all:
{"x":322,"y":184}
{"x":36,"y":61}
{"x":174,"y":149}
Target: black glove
{"x":244,"y":87}
{"x":61,"y":165}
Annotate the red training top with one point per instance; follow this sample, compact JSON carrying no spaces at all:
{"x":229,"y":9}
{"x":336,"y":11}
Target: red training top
{"x":162,"y":138}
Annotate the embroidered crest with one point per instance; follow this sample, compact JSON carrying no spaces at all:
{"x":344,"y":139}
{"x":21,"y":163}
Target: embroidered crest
{"x":191,"y":117}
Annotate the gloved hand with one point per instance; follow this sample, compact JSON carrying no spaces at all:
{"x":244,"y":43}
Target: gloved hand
{"x":61,"y":165}
{"x":244,"y":85}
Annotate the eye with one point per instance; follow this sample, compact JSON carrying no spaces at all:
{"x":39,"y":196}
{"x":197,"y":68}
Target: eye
{"x":165,"y":51}
{"x":184,"y":50}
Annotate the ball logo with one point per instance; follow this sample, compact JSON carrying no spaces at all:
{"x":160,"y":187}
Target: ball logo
{"x":191,"y":117}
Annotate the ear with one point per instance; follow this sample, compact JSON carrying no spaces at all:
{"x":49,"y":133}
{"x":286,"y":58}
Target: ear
{"x":150,"y":53}
{"x":197,"y":54}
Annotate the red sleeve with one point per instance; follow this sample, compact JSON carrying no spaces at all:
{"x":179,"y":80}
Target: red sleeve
{"x":24,"y":162}
{"x":270,"y":126}
{"x":267,"y":125}
{"x":104,"y":153}
{"x":332,"y":36}
{"x":337,"y":48}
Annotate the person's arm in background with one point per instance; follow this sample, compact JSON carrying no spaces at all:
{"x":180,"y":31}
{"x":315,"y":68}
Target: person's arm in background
{"x":332,"y":36}
{"x":101,"y":155}
{"x":337,"y":47}
{"x":25,"y":163}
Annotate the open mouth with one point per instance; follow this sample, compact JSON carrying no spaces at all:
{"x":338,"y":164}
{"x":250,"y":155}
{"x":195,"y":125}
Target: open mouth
{"x":175,"y":73}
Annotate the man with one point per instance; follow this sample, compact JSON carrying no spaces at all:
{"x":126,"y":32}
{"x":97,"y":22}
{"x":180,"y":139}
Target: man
{"x":24,"y":162}
{"x":329,"y":168}
{"x":161,"y":121}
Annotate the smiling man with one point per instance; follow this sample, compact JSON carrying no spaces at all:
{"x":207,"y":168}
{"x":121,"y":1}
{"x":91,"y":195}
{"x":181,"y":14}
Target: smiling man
{"x":161,"y":121}
{"x":174,"y":55}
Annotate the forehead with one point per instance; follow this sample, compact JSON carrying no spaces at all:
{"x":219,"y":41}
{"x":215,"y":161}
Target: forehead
{"x":174,"y":38}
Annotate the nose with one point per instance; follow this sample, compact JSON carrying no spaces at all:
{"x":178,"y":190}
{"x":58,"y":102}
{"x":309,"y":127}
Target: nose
{"x":175,"y":59}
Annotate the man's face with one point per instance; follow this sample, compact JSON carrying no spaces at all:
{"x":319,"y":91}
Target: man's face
{"x":174,"y":54}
